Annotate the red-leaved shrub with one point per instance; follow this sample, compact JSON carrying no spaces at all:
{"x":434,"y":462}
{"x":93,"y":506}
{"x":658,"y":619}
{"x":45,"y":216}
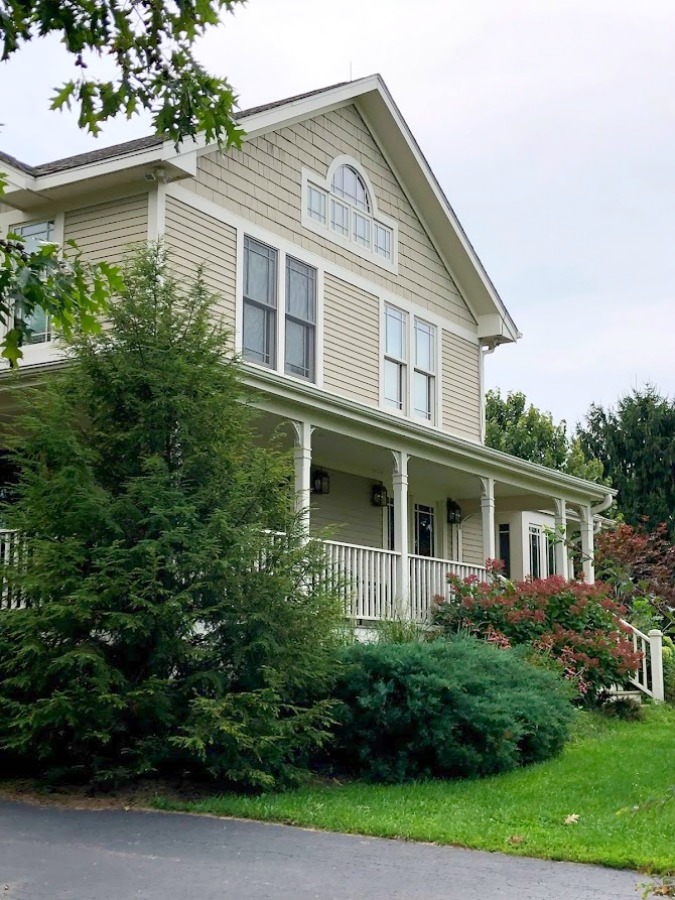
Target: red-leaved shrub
{"x":578,"y":625}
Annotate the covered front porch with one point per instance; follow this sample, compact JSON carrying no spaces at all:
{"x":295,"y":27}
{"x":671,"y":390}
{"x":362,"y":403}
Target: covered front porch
{"x":396,"y":520}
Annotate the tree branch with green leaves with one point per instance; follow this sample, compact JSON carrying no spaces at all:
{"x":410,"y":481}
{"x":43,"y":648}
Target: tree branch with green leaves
{"x":151,"y":44}
{"x":70,"y":291}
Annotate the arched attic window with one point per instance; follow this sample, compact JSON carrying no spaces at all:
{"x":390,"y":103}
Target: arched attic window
{"x":344,"y":206}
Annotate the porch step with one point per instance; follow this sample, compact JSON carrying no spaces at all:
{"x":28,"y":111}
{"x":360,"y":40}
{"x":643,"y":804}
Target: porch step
{"x":617,"y":693}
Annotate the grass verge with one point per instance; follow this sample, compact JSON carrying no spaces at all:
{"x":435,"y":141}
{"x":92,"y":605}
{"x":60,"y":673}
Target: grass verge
{"x":610,"y":765}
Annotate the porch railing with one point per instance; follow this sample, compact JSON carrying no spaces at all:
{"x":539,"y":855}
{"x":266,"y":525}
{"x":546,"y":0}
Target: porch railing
{"x":428,"y":579}
{"x":368,"y":578}
{"x":10,"y":555}
{"x":649,"y":676}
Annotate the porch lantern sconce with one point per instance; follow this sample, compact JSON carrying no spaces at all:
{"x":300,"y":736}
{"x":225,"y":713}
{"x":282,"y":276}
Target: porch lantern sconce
{"x":379,"y":496}
{"x":320,"y":482}
{"x":454,"y":511}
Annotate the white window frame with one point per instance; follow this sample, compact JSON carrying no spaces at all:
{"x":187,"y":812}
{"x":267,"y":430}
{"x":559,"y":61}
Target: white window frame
{"x":313,"y":181}
{"x":409,"y":365}
{"x":284,"y":250}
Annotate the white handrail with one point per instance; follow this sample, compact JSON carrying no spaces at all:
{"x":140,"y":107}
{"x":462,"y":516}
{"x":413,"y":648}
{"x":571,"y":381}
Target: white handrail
{"x":649,"y":676}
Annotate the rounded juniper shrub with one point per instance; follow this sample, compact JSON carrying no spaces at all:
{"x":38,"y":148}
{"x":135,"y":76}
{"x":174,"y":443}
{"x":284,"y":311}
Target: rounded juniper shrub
{"x":449,"y":708}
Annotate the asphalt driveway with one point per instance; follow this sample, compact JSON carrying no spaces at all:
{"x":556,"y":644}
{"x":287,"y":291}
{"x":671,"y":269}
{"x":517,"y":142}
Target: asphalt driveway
{"x":48,"y":853}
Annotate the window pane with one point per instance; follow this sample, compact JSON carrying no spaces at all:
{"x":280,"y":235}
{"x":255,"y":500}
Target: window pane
{"x":260,"y":272}
{"x":393,"y":378}
{"x":382,"y":240}
{"x":300,"y":290}
{"x":316,"y":204}
{"x":339,"y":217}
{"x":299,"y":349}
{"x":535,"y":551}
{"x":361,"y":230}
{"x":422,"y":395}
{"x":259,"y":334}
{"x":395,"y":332}
{"x":424,"y":530}
{"x":424,"y":346}
{"x":33,"y":235}
{"x":38,"y":324}
{"x":505,"y":548}
{"x":348,"y":184}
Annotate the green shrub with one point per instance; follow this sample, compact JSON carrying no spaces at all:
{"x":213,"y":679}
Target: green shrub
{"x":447,"y":708}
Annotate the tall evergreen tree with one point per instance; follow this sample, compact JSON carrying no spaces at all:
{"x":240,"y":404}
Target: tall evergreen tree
{"x":166,"y":621}
{"x":636,"y":443}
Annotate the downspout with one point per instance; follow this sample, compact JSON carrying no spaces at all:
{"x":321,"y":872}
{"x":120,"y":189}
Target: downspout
{"x":486,"y":350}
{"x":603,"y":505}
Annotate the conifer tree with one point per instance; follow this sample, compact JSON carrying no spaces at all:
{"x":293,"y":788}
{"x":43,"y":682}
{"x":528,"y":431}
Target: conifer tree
{"x":173,"y":617}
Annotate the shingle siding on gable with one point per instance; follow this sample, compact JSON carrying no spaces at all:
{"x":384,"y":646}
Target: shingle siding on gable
{"x":105,"y":231}
{"x":263,"y":182}
{"x":194,"y":239}
{"x":351,"y":341}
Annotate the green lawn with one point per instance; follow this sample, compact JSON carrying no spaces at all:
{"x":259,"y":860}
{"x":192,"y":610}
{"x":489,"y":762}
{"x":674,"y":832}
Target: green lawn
{"x":608,"y":766}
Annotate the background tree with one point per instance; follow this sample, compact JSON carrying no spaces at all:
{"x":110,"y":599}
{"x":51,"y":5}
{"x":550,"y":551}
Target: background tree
{"x":636,"y":443}
{"x":524,"y":431}
{"x":166,"y":623}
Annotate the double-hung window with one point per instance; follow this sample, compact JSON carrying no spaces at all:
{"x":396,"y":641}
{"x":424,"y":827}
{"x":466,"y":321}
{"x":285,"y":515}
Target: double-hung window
{"x":37,"y":321}
{"x":395,"y":357}
{"x":274,"y":318}
{"x":260,"y":303}
{"x":536,"y":551}
{"x":300,"y":319}
{"x":409,"y":364}
{"x":423,"y":375}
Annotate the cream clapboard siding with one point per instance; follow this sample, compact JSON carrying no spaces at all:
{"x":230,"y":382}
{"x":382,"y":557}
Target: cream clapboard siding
{"x":472,"y":541}
{"x":347,"y":511}
{"x":262,"y":182}
{"x":461,"y":398}
{"x":106,"y":231}
{"x":351,"y":341}
{"x":194,"y":239}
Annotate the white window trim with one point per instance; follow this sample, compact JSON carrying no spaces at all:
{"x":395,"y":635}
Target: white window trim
{"x":412,"y":314}
{"x":282,"y":254}
{"x":325,"y":231}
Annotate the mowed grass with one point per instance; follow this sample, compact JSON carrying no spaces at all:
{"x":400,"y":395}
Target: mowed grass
{"x":609,"y":765}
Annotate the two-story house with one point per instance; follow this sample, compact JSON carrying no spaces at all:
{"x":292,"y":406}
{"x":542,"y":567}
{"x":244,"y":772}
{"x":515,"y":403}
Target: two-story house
{"x":363,"y":316}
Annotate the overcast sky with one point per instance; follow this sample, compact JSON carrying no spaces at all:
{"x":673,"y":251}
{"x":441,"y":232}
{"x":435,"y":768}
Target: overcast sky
{"x":550,"y":125}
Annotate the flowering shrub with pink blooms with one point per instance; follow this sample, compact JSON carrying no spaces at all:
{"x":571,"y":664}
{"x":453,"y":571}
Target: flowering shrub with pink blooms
{"x":574,"y":624}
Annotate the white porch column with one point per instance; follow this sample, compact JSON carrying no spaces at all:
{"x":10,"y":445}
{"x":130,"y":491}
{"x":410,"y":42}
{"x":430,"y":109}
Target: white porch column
{"x":487,"y":509}
{"x":302,"y":456}
{"x":561,"y":559}
{"x":400,"y":484}
{"x":587,"y":551}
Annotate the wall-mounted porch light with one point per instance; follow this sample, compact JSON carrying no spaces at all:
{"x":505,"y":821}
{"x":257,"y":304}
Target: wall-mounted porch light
{"x":379,"y":496}
{"x":454,"y":512}
{"x":320,"y":482}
